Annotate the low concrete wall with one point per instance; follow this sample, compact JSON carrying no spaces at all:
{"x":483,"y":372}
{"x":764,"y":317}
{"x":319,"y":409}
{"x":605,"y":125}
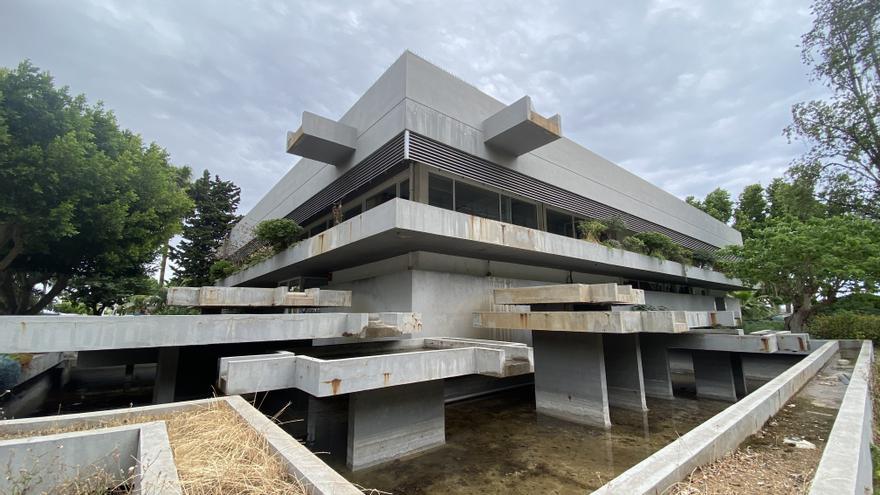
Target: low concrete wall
{"x":720,"y":434}
{"x":845,"y":467}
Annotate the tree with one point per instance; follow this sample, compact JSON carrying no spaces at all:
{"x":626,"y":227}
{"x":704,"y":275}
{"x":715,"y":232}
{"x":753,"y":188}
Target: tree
{"x":843,"y":51}
{"x":797,"y":259}
{"x":207,"y":224}
{"x":717,"y":204}
{"x":751,"y":210}
{"x":78,"y":195}
{"x":101,"y":291}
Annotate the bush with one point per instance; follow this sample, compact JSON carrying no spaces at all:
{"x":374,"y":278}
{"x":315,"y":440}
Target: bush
{"x":615,"y":228}
{"x":861,"y":302}
{"x":591,"y":230}
{"x":10,"y":372}
{"x":634,"y":244}
{"x":278,"y":233}
{"x":657,"y":244}
{"x":612,"y":243}
{"x":221,"y":269}
{"x":845,"y":325}
{"x":704,"y":259}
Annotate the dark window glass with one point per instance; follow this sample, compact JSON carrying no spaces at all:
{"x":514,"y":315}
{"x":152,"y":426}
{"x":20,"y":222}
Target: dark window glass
{"x":519,"y":212}
{"x":351,"y":212}
{"x":559,"y":223}
{"x":476,"y":201}
{"x":404,"y":189}
{"x":317,"y":229}
{"x":386,"y":194}
{"x":440,"y":191}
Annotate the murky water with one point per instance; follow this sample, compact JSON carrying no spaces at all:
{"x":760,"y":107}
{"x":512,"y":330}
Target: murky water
{"x":499,"y":444}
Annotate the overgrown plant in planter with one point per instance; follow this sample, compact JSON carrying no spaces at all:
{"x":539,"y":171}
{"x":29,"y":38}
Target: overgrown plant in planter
{"x":591,"y":230}
{"x":278,"y":233}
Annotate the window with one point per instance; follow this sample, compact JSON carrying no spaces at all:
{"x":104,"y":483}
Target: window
{"x":404,"y":189}
{"x":519,"y":212}
{"x":351,"y":212}
{"x":317,"y":229}
{"x":476,"y":201}
{"x":560,"y":223}
{"x":377,"y":199}
{"x":440,"y":192}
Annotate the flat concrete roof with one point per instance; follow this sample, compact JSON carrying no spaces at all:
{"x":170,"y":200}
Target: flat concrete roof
{"x":400,"y":226}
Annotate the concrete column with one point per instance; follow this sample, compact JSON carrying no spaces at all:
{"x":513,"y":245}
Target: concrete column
{"x":327,"y":424}
{"x":166,"y":375}
{"x":759,"y":369}
{"x":655,"y":367}
{"x":388,"y":423}
{"x":716,"y":375}
{"x":623,"y":372}
{"x":570,"y":377}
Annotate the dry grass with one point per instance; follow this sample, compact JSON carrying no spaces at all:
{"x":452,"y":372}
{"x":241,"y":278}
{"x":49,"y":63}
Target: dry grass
{"x":215,"y":450}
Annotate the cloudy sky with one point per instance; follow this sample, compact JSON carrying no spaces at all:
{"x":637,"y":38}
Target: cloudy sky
{"x":690,"y":95}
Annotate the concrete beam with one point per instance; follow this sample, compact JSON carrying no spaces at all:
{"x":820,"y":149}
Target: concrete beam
{"x":85,"y":333}
{"x":585,"y":321}
{"x":518,"y":129}
{"x":256,"y":297}
{"x":571,"y":293}
{"x":623,"y":372}
{"x":166,"y":375}
{"x":709,"y":319}
{"x":322,"y":139}
{"x":794,"y":342}
{"x":570,"y":377}
{"x":720,"y":342}
{"x":389,"y":423}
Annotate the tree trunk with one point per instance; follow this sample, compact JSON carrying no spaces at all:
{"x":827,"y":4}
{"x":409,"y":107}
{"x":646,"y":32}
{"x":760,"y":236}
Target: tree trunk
{"x":796,"y":322}
{"x":162,"y":264}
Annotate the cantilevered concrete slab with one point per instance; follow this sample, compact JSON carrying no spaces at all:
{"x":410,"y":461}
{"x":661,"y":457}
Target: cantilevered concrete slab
{"x":256,"y":297}
{"x":709,"y":319}
{"x":322,"y":139}
{"x":85,"y":333}
{"x":571,"y":294}
{"x":329,"y":377}
{"x":585,"y":321}
{"x":517,"y":129}
{"x":721,"y":342}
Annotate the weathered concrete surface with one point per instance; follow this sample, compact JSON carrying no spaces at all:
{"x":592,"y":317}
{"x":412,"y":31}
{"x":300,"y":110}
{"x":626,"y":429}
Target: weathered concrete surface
{"x":655,"y":366}
{"x":256,"y":297}
{"x":570,"y":377}
{"x":166,"y":375}
{"x":709,"y":319}
{"x":322,"y":139}
{"x":389,"y":423}
{"x":585,"y":321}
{"x":570,"y":293}
{"x":714,"y":375}
{"x":517,"y":129}
{"x":623,"y":372}
{"x":156,"y":471}
{"x":720,"y":434}
{"x":82,"y":333}
{"x":722,"y":342}
{"x":846,"y":467}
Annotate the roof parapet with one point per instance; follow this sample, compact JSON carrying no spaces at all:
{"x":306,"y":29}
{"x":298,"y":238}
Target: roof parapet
{"x":322,"y":139}
{"x":518,"y":129}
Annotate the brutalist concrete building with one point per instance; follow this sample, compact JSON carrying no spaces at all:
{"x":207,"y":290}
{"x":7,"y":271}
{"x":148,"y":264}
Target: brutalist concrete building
{"x":447,"y":193}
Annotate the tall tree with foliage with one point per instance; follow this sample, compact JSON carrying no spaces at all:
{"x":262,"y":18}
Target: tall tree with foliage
{"x":843,"y":131}
{"x":78,"y":195}
{"x":797,"y":259}
{"x":208,"y":223}
{"x":717,"y":204}
{"x":751,"y":210}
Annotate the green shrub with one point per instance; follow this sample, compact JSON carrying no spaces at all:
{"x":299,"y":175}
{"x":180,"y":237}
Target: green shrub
{"x":845,"y":325}
{"x":634,"y":244}
{"x":591,"y":230}
{"x":704,"y":259}
{"x":861,"y":302}
{"x":221,"y":269}
{"x":278,"y":233}
{"x":10,"y":372}
{"x":612,"y":243}
{"x":615,"y":228}
{"x":657,"y":244}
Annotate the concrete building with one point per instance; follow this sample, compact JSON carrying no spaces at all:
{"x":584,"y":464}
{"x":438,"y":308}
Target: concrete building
{"x":446,"y":193}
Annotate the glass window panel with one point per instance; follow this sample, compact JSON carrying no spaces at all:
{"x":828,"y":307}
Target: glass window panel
{"x":317,"y":229}
{"x":476,"y":201}
{"x":351,"y":212}
{"x":440,"y":191}
{"x":523,"y":213}
{"x":404,"y":189}
{"x":559,"y":223}
{"x":377,"y":199}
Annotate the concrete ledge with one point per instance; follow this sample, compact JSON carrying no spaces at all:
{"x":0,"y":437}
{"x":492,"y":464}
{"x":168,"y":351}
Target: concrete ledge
{"x":316,"y":476}
{"x":570,"y":293}
{"x":256,"y":297}
{"x":322,"y":139}
{"x":586,"y":321}
{"x":720,"y":434}
{"x":845,"y":467}
{"x":722,"y":342}
{"x":84,"y":333}
{"x":708,"y":319}
{"x":518,"y":129}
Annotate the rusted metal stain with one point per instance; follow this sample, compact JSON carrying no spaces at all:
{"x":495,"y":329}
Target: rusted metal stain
{"x":386,"y":377}
{"x":802,"y":343}
{"x":334,"y":384}
{"x":765,"y":343}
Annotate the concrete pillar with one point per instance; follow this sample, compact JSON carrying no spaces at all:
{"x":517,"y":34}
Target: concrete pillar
{"x":759,"y":369}
{"x":655,"y":367}
{"x":166,"y":375}
{"x":623,"y":372}
{"x":570,"y":377}
{"x":717,"y":375}
{"x":388,"y":423}
{"x":327,"y":425}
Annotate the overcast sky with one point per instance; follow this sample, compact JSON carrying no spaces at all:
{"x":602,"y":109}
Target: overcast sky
{"x":689,"y":95}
